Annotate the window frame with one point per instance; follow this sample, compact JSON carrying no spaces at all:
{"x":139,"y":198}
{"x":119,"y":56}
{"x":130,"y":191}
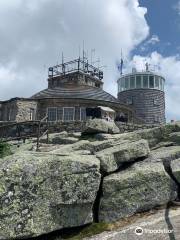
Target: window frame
{"x":64,"y":114}
{"x":82,"y":108}
{"x":48,"y":113}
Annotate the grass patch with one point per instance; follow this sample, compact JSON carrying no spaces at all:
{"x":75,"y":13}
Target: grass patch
{"x":5,"y":149}
{"x":89,"y":231}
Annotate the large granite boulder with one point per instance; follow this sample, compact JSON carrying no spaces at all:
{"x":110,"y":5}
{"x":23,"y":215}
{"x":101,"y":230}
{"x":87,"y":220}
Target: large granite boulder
{"x":139,"y":188}
{"x":40,"y":193}
{"x":113,"y":158}
{"x":95,"y":126}
{"x":175,"y":167}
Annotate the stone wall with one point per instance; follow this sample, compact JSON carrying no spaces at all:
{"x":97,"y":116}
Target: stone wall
{"x":24,"y":110}
{"x":30,"y":128}
{"x":149,"y":104}
{"x":18,"y":110}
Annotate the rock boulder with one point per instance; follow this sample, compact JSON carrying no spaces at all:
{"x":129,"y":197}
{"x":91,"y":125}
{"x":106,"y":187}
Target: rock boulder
{"x":41,"y":193}
{"x":112,"y":158}
{"x":137,"y":189}
{"x":100,"y":126}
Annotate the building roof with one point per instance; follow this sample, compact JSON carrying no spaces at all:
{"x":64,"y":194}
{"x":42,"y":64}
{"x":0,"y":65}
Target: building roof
{"x":80,"y":92}
{"x":106,"y":109}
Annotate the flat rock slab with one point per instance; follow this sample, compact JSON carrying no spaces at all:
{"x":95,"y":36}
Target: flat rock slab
{"x":162,"y":225}
{"x":164,"y":154}
{"x":112,"y":158}
{"x":41,"y":193}
{"x":139,"y":188}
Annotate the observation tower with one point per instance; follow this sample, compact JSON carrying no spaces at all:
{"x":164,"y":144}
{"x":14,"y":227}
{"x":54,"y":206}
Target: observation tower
{"x":144,"y":92}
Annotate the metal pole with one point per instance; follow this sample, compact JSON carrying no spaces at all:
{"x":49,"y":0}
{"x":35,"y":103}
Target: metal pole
{"x":38,"y":136}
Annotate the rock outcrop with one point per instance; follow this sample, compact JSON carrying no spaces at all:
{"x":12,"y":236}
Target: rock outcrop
{"x":40,"y":193}
{"x":112,"y":158}
{"x":75,"y":180}
{"x":100,"y":126}
{"x":136,"y":189}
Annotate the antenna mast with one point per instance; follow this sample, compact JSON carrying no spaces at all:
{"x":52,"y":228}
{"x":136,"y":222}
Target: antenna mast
{"x":122,"y":62}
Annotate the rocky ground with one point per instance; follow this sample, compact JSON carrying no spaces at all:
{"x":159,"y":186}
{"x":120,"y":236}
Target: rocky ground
{"x":162,"y":225}
{"x":98,"y":176}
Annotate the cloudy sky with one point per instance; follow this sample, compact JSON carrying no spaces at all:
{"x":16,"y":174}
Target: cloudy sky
{"x":33,"y":34}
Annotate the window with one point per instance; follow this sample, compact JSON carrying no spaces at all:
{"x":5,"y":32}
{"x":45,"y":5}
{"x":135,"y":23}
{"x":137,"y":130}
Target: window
{"x":138,"y":82}
{"x":156,"y":82}
{"x":151,"y":81}
{"x":52,"y":114}
{"x":145,"y":81}
{"x":32,"y":114}
{"x":68,"y":114}
{"x":132,"y":82}
{"x":162,"y":84}
{"x":129,"y":101}
{"x":126,"y":83}
{"x":83,"y":114}
{"x":60,"y":114}
{"x":122,"y":84}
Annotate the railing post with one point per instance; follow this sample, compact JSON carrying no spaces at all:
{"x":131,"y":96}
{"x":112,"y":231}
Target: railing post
{"x":38,"y":136}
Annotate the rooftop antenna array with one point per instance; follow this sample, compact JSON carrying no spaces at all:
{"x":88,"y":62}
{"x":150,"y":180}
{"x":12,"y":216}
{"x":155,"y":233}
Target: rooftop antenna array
{"x":78,"y":65}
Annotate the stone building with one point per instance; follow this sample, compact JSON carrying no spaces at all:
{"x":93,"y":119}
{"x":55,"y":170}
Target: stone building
{"x":73,"y":87}
{"x":144,"y":92}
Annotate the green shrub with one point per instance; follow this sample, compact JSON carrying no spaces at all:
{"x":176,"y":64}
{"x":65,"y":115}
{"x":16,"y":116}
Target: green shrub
{"x":5,"y":149}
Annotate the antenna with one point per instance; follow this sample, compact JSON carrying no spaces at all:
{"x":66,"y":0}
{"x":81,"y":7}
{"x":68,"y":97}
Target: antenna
{"x":63,"y":66}
{"x":83,"y":56}
{"x":93,"y":51}
{"x":79,"y":52}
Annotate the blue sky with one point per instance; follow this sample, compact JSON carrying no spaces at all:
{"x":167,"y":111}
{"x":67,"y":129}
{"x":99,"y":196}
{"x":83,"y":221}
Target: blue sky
{"x":163,"y":18}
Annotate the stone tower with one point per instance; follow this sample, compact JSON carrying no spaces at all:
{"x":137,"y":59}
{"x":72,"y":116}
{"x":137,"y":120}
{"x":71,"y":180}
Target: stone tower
{"x":144,"y":91}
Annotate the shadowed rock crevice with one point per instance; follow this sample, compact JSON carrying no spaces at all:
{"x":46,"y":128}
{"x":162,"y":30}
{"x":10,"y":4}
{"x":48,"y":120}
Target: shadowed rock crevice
{"x":97,"y":202}
{"x":168,"y":169}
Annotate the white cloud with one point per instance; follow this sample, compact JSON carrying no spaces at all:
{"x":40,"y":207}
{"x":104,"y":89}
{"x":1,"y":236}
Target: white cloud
{"x":153,"y":40}
{"x":177,"y":7}
{"x":33,"y":34}
{"x":169,"y":68}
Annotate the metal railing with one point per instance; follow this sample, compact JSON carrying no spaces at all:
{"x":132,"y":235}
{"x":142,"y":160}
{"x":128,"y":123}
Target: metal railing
{"x":25,"y":130}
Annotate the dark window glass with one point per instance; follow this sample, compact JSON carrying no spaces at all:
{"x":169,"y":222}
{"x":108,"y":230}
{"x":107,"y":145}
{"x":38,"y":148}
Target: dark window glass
{"x":68,"y":114}
{"x":145,"y":81}
{"x":151,"y":81}
{"x":83,"y":114}
{"x":138,"y":82}
{"x":126,"y":83}
{"x":77,"y":113}
{"x":60,"y":114}
{"x":132,"y":82}
{"x":52,"y":114}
